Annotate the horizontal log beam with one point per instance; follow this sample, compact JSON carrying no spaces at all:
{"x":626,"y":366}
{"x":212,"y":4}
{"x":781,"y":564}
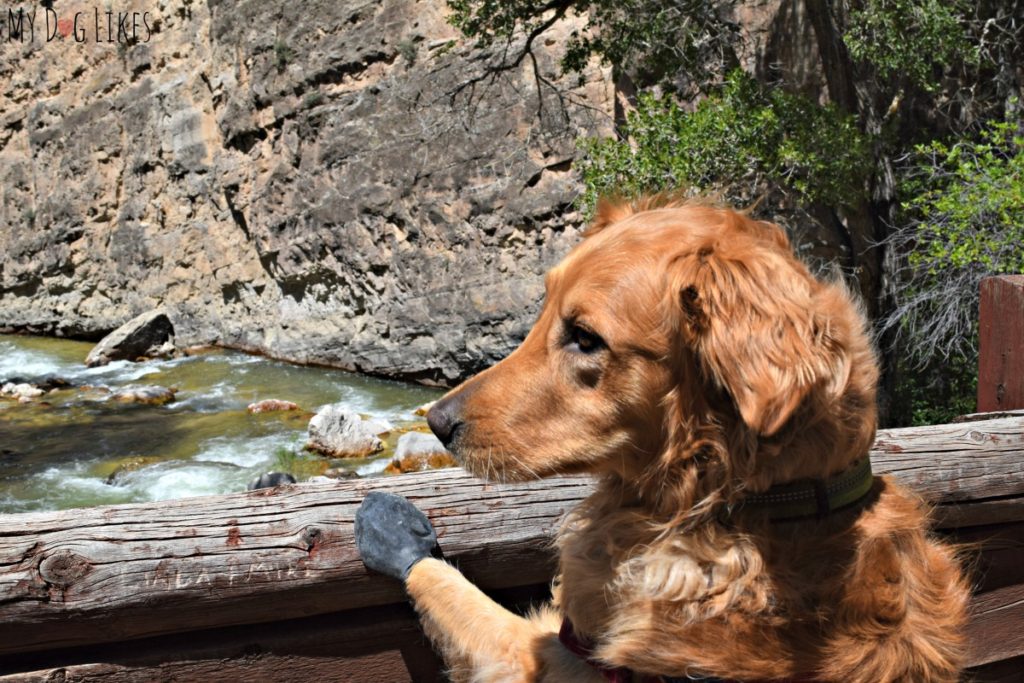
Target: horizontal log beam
{"x":1001,"y":612}
{"x":956,"y":463}
{"x":116,"y":573}
{"x":105,"y":574}
{"x":373,"y":644}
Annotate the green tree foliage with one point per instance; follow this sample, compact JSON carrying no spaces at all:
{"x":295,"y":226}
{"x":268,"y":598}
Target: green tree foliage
{"x":910,"y":40}
{"x":657,"y":40}
{"x":970,"y":199}
{"x":737,"y":141}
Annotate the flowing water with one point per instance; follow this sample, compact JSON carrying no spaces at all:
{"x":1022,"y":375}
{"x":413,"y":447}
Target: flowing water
{"x":76,"y":447}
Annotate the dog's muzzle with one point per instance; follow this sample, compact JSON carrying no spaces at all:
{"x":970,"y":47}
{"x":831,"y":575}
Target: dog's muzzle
{"x":445,"y":417}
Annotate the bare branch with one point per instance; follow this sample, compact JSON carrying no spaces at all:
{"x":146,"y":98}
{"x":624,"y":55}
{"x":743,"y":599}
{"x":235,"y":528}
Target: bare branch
{"x":491,"y":71}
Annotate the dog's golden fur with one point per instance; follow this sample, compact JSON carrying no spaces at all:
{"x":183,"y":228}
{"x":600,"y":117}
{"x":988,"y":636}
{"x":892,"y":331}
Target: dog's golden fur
{"x":686,"y":357}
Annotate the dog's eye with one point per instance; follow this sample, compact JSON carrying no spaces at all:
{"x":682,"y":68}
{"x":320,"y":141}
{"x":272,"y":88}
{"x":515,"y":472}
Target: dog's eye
{"x":584,"y":340}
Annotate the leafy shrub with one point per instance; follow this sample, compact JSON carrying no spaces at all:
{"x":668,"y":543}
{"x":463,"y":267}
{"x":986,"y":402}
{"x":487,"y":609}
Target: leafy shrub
{"x":963,"y":219}
{"x":968,"y":200}
{"x":283,"y":55}
{"x":407,"y":49}
{"x":313,"y":99}
{"x":934,"y":393}
{"x":740,"y":137}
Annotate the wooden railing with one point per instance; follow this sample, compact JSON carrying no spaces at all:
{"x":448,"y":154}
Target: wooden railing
{"x":1001,"y":343}
{"x":267,"y":585}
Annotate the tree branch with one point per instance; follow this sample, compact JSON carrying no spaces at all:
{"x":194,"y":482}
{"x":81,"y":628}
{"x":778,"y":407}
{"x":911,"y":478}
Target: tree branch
{"x":491,"y":71}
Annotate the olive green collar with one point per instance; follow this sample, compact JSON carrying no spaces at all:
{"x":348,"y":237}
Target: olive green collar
{"x":812,"y":497}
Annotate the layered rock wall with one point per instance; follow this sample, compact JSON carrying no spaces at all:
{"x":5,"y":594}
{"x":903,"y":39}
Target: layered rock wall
{"x":330,"y":182}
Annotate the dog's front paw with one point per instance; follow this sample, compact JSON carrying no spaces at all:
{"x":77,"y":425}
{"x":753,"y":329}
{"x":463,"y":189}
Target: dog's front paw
{"x":392,"y":534}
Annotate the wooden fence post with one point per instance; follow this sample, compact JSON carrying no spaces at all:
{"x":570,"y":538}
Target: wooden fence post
{"x":1001,"y":344}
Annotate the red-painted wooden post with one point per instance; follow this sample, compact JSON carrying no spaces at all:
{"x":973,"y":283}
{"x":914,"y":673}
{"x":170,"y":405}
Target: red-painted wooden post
{"x":1001,"y":344}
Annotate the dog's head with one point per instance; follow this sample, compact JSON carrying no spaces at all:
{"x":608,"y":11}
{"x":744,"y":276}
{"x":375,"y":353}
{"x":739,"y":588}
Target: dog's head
{"x":676,"y":341}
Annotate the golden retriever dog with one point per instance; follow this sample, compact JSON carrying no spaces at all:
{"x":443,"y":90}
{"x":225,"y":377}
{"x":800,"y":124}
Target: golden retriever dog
{"x":725,"y":400}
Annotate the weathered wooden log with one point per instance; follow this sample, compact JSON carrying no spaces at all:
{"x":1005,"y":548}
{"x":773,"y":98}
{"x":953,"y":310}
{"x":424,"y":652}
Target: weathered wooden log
{"x":383,"y":643}
{"x":108,"y":575}
{"x":102,"y":574}
{"x":996,"y":629}
{"x":378,"y":644}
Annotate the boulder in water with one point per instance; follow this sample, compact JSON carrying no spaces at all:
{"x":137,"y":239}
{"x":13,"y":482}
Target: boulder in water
{"x":417,"y":451}
{"x":25,"y":390}
{"x":22,"y":391}
{"x":149,"y":335}
{"x":418,"y":463}
{"x":51,"y":383}
{"x":126,"y":466}
{"x":270,"y":405}
{"x":378,"y":425}
{"x":270,"y":480}
{"x":339,"y":432}
{"x":334,"y":473}
{"x":149,"y":395}
{"x":418,"y":443}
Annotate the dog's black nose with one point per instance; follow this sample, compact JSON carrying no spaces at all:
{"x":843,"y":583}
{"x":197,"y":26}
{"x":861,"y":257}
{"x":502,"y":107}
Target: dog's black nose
{"x":445,"y":417}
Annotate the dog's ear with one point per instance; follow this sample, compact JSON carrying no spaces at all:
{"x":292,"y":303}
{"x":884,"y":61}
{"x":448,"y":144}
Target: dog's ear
{"x":612,"y":208}
{"x":750,"y":313}
{"x":609,"y":210}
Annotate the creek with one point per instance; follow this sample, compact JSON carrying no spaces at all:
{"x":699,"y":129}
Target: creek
{"x":75,"y":446}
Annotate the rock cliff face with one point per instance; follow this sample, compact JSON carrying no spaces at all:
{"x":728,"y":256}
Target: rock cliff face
{"x":330,"y":182}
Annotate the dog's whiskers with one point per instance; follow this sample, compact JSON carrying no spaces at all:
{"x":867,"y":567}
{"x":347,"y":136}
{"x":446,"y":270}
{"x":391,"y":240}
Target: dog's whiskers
{"x":522,"y":464}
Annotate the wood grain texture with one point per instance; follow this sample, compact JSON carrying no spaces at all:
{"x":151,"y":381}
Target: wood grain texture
{"x":994,"y":554}
{"x":372,"y":644}
{"x":122,"y":572}
{"x":378,"y":644}
{"x":1006,"y":671}
{"x":996,"y":628}
{"x":384,"y":666}
{"x":956,"y":463}
{"x":112,"y":574}
{"x":1001,"y":343}
{"x":382,"y":644}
